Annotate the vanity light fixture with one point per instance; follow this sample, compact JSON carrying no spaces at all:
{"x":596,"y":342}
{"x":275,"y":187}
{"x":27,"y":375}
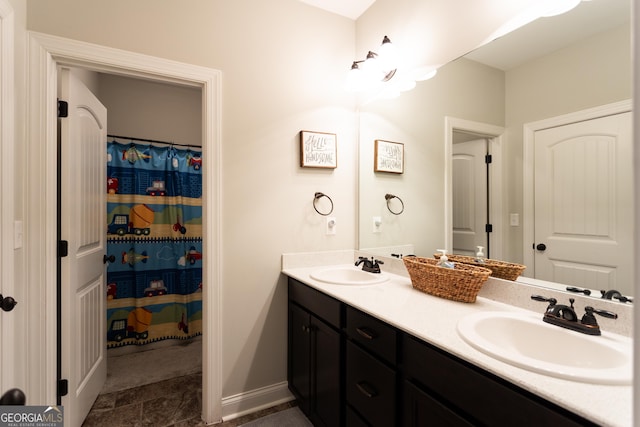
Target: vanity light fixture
{"x":380,"y":72}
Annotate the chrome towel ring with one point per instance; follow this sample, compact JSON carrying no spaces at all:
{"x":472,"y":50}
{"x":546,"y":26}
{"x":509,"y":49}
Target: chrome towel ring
{"x":388,"y":197}
{"x":318,"y":196}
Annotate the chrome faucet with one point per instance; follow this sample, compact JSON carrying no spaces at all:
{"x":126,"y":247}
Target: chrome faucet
{"x":565,"y":316}
{"x":371,"y":265}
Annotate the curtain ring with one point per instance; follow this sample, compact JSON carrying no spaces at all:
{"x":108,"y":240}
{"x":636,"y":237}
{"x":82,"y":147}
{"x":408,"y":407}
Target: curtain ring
{"x":388,"y":197}
{"x":320,"y":195}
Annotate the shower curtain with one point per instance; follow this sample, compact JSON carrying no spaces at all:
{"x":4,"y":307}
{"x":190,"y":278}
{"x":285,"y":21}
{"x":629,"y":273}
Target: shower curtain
{"x":154,"y":244}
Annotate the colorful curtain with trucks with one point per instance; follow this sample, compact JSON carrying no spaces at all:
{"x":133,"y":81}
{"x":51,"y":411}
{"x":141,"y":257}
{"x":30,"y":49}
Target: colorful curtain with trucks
{"x":154,"y":244}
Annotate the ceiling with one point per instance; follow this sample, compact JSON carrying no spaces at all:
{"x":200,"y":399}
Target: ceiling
{"x":546,"y":35}
{"x":538,"y":38}
{"x":349,"y":8}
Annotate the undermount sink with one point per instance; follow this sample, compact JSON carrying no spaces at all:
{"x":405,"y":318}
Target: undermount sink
{"x":524,"y":340}
{"x":348,"y":276}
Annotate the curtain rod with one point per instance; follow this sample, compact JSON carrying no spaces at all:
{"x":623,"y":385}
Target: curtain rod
{"x":152,"y":141}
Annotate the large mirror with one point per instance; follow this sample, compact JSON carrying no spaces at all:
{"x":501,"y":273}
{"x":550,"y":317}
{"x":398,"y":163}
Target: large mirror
{"x":553,"y":71}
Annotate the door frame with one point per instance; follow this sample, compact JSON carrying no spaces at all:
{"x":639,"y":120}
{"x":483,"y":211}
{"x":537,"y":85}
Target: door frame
{"x":46,"y":53}
{"x":496,"y":196}
{"x":7,"y":201}
{"x":528,"y":179}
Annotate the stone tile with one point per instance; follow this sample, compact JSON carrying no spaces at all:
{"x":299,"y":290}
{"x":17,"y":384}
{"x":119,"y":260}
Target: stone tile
{"x":172,"y":408}
{"x":105,"y":401}
{"x":124,"y":416}
{"x":175,"y":402}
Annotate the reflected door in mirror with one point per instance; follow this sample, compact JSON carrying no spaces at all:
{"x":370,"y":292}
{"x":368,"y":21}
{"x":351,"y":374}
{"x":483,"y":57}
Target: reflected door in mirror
{"x":470,"y":196}
{"x":584,"y":204}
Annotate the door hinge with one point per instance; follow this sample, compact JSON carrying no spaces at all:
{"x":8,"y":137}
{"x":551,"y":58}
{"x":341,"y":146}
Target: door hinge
{"x":63,"y":387}
{"x":63,"y":248}
{"x":63,"y":108}
{"x":488,"y":158}
{"x":488,"y":228}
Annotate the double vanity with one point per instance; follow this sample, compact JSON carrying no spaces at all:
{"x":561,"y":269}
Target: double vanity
{"x":368,"y":349}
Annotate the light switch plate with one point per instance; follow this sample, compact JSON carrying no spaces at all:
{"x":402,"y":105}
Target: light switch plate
{"x":514,"y":219}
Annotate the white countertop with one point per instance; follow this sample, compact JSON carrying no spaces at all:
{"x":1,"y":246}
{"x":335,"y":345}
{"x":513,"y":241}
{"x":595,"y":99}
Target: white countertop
{"x":434,"y":320}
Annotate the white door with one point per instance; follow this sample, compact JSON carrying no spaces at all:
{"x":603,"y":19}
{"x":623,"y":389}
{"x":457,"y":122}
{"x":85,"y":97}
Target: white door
{"x":469,"y":187}
{"x":584,"y":204}
{"x":83,"y":201}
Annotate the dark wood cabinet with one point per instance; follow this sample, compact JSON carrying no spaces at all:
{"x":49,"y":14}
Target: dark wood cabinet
{"x":474,"y":394}
{"x":314,"y":356}
{"x":421,"y":409}
{"x":370,"y":387}
{"x":348,"y":368}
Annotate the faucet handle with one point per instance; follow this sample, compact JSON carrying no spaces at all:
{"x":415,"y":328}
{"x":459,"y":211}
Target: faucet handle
{"x":551,"y":301}
{"x":590,"y":320}
{"x":604,"y":313}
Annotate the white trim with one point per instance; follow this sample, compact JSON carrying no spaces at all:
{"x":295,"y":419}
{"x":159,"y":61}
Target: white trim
{"x":529,"y":130}
{"x":496,"y":196}
{"x":46,"y":54}
{"x":7,"y":200}
{"x":265,"y":397}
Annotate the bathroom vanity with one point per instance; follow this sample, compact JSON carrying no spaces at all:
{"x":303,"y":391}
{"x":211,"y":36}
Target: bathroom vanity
{"x":386,"y":354}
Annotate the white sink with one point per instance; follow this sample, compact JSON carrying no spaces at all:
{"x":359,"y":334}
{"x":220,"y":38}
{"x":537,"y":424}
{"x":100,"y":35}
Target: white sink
{"x":524,"y":340}
{"x":348,"y":276}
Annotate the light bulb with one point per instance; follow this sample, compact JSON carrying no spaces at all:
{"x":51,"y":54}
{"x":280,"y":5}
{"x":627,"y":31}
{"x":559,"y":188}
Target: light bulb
{"x":388,"y":55}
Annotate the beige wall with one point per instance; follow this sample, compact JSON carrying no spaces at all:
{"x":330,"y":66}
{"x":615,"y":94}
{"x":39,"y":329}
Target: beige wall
{"x":150,"y":110}
{"x":282,"y":65}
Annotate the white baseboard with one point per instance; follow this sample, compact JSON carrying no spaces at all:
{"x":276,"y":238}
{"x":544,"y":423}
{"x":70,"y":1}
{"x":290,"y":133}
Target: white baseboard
{"x":255,"y":400}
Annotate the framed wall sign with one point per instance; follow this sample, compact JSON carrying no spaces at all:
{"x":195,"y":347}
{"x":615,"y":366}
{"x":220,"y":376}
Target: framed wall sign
{"x":388,"y":156}
{"x":318,"y":150}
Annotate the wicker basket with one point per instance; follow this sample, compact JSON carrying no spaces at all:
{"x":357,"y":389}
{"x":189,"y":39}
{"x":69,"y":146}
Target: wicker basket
{"x":461,"y":283}
{"x":499,"y":269}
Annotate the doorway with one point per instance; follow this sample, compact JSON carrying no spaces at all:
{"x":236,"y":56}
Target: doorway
{"x":7,"y":174}
{"x":46,"y":54}
{"x":490,"y":135}
{"x":472,"y":218}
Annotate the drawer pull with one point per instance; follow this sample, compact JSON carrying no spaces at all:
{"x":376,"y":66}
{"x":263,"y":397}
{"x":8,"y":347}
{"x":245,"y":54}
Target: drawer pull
{"x":366,"y":333}
{"x":366,"y":389}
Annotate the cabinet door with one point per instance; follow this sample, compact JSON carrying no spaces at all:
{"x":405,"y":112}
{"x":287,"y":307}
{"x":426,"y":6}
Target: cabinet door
{"x":420,"y":409}
{"x":370,"y":387}
{"x":299,"y":356}
{"x":326,"y":374}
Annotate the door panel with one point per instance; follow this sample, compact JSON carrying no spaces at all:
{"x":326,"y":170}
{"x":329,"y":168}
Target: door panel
{"x":470,"y":198}
{"x":584,"y":203}
{"x":83,"y":198}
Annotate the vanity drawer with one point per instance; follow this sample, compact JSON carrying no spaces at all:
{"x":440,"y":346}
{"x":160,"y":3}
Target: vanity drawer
{"x":322,"y":305}
{"x":373,"y":334}
{"x":421,"y":409}
{"x":370,"y":387}
{"x":485,"y":398}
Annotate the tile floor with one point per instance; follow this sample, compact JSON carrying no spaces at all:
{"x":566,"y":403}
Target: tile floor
{"x":174,"y":402}
{"x":169,"y":402}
